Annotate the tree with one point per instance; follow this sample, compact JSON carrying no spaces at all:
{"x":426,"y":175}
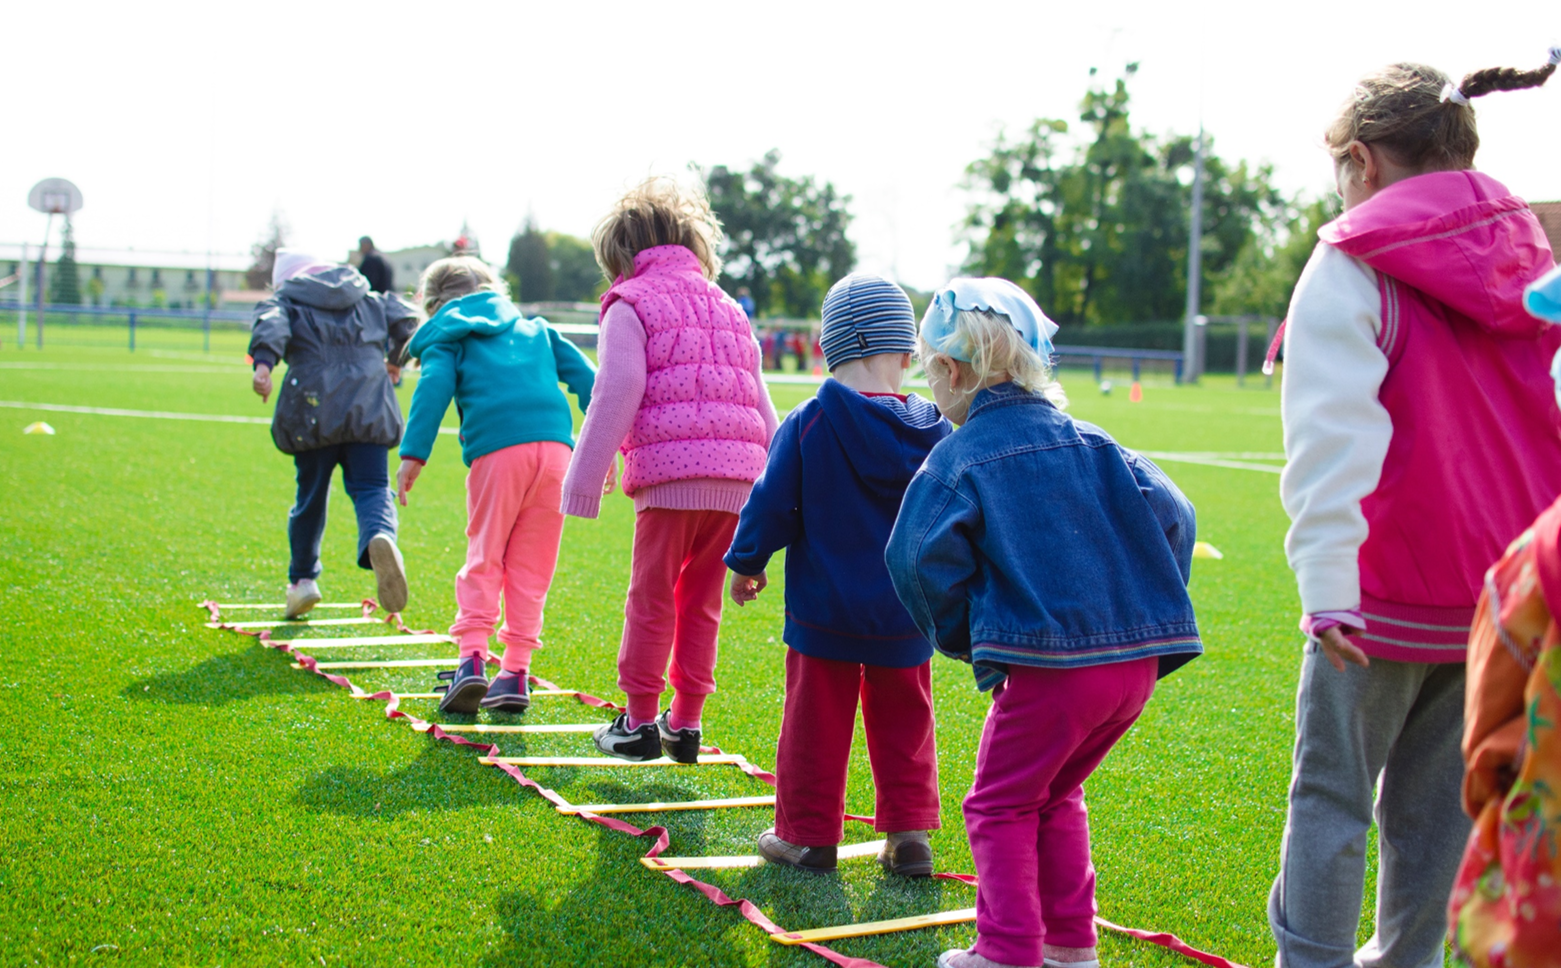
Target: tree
{"x":1263,"y":276}
{"x":263,"y":253}
{"x":529,"y":265}
{"x":65,"y":281}
{"x":1096,"y":227}
{"x":576,"y":276}
{"x":785,"y":237}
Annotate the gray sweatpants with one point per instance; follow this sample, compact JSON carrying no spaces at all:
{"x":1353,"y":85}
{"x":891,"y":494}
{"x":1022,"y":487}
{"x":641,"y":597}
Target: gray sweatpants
{"x":1402,"y":722}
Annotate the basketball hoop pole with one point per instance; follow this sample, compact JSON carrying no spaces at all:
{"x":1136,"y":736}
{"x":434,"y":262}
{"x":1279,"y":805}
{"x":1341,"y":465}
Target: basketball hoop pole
{"x":21,"y":305}
{"x":43,"y":258}
{"x":53,"y":196}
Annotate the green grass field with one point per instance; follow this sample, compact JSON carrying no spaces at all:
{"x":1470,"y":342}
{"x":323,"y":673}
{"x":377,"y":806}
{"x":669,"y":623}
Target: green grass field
{"x":172,"y":794}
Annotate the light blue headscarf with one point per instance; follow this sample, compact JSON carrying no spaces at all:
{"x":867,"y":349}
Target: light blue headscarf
{"x":1542,"y":299}
{"x":993,"y":295}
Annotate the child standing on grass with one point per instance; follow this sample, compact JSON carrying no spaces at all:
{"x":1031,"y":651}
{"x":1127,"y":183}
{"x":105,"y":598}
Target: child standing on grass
{"x":1420,"y":431}
{"x":503,"y":371}
{"x":337,"y":408}
{"x":681,"y":392}
{"x":837,"y":470}
{"x":1055,"y":562}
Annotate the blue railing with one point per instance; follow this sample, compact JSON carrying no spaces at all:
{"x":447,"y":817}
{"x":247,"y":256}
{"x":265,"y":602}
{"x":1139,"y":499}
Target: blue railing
{"x":132,"y":314}
{"x":1098,"y":354}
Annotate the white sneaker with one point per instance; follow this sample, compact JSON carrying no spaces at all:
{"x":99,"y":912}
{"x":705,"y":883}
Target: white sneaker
{"x":302,"y":595}
{"x":389,"y":572}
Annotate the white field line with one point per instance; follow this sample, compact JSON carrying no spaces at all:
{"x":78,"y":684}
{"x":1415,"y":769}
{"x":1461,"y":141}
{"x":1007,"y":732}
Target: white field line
{"x":1212,"y":460}
{"x":151,"y":414}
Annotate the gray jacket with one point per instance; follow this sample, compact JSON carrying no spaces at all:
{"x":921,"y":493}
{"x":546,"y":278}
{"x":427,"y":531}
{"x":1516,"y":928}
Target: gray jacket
{"x":334,"y":334}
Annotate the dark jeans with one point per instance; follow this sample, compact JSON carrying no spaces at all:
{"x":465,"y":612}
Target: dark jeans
{"x":367,"y":479}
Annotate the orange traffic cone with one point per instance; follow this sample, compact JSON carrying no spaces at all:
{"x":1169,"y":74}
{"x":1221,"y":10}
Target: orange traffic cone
{"x":818,"y":370}
{"x":1135,"y":393}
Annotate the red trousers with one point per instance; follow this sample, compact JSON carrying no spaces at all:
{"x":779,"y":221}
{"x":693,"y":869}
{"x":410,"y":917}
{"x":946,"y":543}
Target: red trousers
{"x":815,"y":748}
{"x":674,"y":606}
{"x":1045,"y":733}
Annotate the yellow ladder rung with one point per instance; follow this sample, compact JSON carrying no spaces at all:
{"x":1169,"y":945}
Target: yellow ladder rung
{"x":575,"y":808}
{"x":297,"y":623}
{"x":840,"y":931}
{"x":388,"y":664}
{"x":704,"y":760}
{"x":869,"y":849}
{"x":234,"y":606}
{"x":506,"y":728}
{"x":419,"y":638}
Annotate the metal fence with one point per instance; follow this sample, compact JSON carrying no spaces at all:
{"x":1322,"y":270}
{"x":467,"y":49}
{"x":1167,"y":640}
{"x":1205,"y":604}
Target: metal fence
{"x":97,"y":325}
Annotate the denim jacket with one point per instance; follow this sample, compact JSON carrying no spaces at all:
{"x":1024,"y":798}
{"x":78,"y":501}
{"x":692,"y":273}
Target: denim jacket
{"x":1033,"y":539}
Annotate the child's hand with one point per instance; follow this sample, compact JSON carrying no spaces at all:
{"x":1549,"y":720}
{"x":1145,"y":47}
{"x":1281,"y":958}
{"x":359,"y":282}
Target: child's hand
{"x":262,"y":382}
{"x":612,"y":477}
{"x":746,"y":588}
{"x":1338,"y":649}
{"x":406,"y":476}
{"x":393,"y":370}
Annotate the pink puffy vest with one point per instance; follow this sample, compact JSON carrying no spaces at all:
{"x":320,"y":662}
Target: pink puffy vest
{"x":700,"y":414}
{"x":1476,"y":448}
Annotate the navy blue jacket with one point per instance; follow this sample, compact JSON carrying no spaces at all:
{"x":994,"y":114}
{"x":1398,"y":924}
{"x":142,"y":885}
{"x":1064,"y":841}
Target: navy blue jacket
{"x":1033,"y":539}
{"x":837,"y":469}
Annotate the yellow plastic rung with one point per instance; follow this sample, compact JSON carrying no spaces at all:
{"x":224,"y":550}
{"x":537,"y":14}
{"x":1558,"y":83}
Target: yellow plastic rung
{"x":704,"y":760}
{"x":420,"y":638}
{"x":505,"y":728}
{"x":875,"y":927}
{"x":869,"y":849}
{"x":297,"y":623}
{"x":233,"y":606}
{"x":386,"y":664}
{"x":577,"y":808}
{"x":399,"y":695}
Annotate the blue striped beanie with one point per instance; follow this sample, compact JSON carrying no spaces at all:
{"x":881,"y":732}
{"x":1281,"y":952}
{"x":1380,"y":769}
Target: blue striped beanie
{"x":865,"y":315}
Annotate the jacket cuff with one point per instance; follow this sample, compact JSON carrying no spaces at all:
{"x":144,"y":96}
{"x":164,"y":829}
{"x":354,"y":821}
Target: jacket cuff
{"x":420,"y":460}
{"x":747,"y":567}
{"x":1330,"y":584}
{"x":264,"y":358}
{"x":582,"y":505}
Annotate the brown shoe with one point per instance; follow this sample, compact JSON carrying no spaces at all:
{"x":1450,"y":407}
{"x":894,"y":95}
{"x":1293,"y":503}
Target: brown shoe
{"x":907,"y":854}
{"x":814,"y":860}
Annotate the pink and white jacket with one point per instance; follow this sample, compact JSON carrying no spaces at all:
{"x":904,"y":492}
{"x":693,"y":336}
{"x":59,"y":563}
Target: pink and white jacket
{"x":679,"y":390}
{"x":1420,"y":422}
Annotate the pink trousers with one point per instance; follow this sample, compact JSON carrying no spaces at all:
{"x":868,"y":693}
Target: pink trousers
{"x":814,"y":751}
{"x":673,"y":609}
{"x":1045,"y":733}
{"x":513,"y":527}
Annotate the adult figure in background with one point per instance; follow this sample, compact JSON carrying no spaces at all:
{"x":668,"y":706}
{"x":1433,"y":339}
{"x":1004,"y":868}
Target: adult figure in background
{"x":336,"y":407}
{"x":374,"y":267}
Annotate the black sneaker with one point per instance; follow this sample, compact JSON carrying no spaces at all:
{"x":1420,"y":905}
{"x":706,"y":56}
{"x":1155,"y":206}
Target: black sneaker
{"x":679,"y":744}
{"x":466,"y":685}
{"x":509,"y":692}
{"x":626,"y":744}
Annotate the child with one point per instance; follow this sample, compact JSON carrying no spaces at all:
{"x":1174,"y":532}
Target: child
{"x":1055,"y":561}
{"x":837,"y":470}
{"x":1420,"y":432}
{"x":336,"y":408}
{"x":681,"y":392}
{"x":516,"y":432}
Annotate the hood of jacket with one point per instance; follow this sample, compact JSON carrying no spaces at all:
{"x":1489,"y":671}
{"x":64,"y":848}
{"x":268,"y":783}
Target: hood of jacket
{"x":340,"y":287}
{"x":886,"y":441}
{"x":479,"y":314}
{"x":1459,"y":237}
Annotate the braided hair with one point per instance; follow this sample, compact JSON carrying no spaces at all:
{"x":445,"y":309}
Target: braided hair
{"x":1416,"y":114}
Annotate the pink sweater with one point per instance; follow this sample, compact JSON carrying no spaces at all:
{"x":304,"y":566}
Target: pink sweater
{"x":620,"y":389}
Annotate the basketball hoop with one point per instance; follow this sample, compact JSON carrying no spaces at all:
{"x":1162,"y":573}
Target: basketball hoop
{"x":55,"y":196}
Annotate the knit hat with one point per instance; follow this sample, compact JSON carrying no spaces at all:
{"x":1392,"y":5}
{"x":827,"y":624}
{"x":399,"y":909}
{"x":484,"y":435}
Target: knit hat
{"x":865,"y":315}
{"x":291,"y":262}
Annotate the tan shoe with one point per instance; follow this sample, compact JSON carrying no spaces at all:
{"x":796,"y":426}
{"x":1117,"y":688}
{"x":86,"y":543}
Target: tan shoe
{"x":814,"y":860}
{"x":907,"y":854}
{"x":390,"y":572}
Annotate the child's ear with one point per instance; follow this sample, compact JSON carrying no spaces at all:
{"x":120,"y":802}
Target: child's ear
{"x":906,"y":359}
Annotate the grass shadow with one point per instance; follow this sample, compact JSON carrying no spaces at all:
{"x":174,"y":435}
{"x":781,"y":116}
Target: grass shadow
{"x":228,"y":678}
{"x":442,"y":777}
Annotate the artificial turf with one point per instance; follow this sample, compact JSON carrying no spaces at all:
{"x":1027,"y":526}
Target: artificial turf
{"x":171,"y":794}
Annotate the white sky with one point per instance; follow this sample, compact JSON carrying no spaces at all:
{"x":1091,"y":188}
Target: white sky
{"x":186,"y":124}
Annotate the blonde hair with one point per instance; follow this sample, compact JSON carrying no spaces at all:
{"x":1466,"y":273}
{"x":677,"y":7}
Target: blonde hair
{"x":452,"y":278}
{"x":658,"y":211}
{"x":1402,"y":109}
{"x":995,"y":347}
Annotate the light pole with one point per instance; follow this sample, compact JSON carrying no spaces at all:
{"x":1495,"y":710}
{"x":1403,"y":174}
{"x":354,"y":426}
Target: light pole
{"x":1192,"y":358}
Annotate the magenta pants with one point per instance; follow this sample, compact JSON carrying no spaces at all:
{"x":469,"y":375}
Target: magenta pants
{"x":674,"y":607}
{"x":513,"y":527}
{"x":814,"y":751}
{"x":1046,"y":732}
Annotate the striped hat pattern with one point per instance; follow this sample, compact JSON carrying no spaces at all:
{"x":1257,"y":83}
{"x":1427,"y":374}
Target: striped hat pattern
{"x":865,"y":315}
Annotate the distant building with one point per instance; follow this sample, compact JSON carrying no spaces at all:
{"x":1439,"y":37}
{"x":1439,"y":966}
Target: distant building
{"x":1549,"y":215}
{"x":408,"y":265}
{"x":127,"y":278}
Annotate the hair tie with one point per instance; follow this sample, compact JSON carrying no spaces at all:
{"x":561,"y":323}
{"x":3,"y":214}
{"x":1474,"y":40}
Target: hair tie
{"x":1451,"y":93}
{"x":1555,"y":55}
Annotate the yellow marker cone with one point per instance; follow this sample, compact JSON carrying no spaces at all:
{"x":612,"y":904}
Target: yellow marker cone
{"x":1203,"y":549}
{"x":38,"y":428}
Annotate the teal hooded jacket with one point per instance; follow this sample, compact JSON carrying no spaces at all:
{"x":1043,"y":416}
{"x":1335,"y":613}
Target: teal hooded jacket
{"x":503,"y":371}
